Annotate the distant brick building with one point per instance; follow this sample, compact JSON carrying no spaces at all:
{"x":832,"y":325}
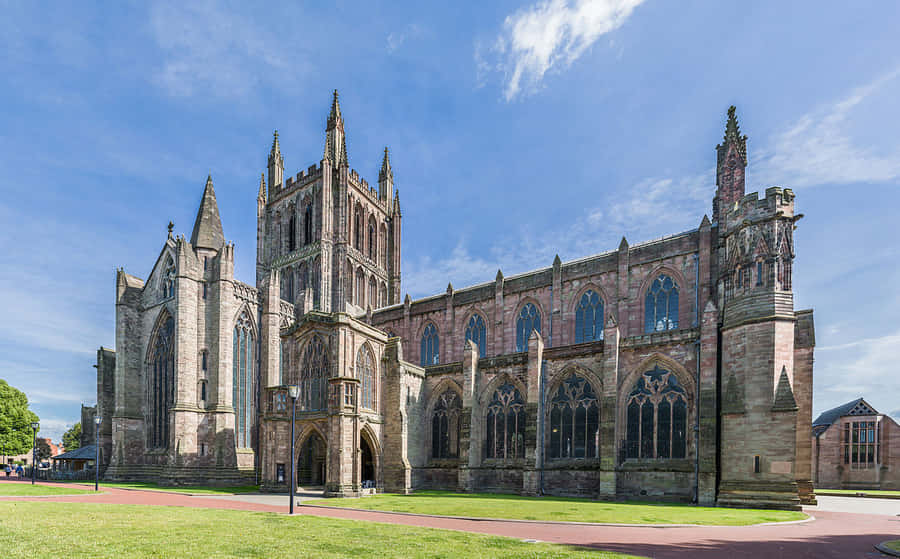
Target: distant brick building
{"x":667,"y":369}
{"x":855,"y":447}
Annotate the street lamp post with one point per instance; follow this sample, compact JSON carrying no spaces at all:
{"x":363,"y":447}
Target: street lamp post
{"x":97,"y":420}
{"x":34,"y":429}
{"x":294,"y":391}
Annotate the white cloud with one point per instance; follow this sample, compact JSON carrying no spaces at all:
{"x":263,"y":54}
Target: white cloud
{"x":860,"y":368}
{"x":552,"y":34}
{"x":395,"y":39}
{"x":819,"y":147}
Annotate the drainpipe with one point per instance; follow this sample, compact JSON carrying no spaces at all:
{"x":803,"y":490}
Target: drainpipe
{"x":697,"y":409}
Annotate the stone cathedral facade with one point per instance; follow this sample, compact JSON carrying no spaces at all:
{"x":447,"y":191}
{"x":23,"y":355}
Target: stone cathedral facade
{"x":674,"y":369}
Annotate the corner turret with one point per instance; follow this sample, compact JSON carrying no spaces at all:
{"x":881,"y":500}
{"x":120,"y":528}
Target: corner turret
{"x":335,"y":142}
{"x":385,"y":177}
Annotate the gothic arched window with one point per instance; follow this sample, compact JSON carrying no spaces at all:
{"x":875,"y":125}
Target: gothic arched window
{"x":529,"y":319}
{"x":372,"y":243}
{"x":365,"y":371}
{"x":314,"y":376}
{"x":589,"y":318}
{"x":243,"y":389}
{"x":162,"y":383}
{"x":382,"y":244}
{"x":505,"y":424}
{"x":430,"y":350}
{"x":168,"y":279}
{"x":373,"y":293}
{"x":360,"y":289}
{"x":661,"y":305}
{"x":445,"y":425}
{"x":476,"y":332}
{"x":292,"y":232}
{"x":358,"y":238}
{"x":307,"y":225}
{"x":315,"y":278}
{"x":656,"y":422}
{"x":574,"y":420}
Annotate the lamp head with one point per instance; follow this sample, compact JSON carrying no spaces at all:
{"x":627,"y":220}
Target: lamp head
{"x":294,"y":391}
{"x":35,"y":425}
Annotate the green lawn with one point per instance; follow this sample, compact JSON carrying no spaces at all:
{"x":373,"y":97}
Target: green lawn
{"x":197,"y":489}
{"x":25,"y":489}
{"x":893,"y":545}
{"x":123,"y":531}
{"x":872,"y":492}
{"x":559,"y":508}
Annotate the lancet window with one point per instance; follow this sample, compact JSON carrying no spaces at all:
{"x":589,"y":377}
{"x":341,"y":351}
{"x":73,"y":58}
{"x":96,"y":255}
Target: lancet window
{"x":314,"y":376}
{"x":445,"y":425}
{"x":505,"y":424}
{"x":365,"y":371}
{"x":656,"y":423}
{"x":574,"y":420}
{"x":661,"y":305}
{"x":162,"y":383}
{"x":168,"y":279}
{"x":529,"y":319}
{"x":430,"y":346}
{"x":476,"y":331}
{"x":243,"y":387}
{"x":589,"y":318}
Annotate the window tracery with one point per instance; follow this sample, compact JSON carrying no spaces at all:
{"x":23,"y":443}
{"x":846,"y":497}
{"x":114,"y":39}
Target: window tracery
{"x":656,"y":423}
{"x":661,"y":305}
{"x":505,"y":424}
{"x":445,"y":425}
{"x":529,"y":319}
{"x":243,"y":388}
{"x":574,"y":420}
{"x":168,"y":279}
{"x":589,"y":318}
{"x":365,"y":371}
{"x":314,"y":376}
{"x":430,"y":346}
{"x":476,"y":332}
{"x":162,"y":384}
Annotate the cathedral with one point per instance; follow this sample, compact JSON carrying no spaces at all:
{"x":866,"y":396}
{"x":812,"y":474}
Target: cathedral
{"x":675,"y":369}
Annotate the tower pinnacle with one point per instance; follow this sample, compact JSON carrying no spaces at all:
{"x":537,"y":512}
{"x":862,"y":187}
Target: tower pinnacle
{"x":731,"y":161}
{"x":276,"y":164}
{"x":208,"y":226}
{"x":335,"y":141}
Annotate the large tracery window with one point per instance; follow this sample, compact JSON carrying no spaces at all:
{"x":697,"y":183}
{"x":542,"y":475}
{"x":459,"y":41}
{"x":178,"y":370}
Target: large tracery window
{"x":656,"y":424}
{"x":529,"y":319}
{"x":162,"y":383}
{"x":505,"y":424}
{"x":574,"y":420}
{"x":314,"y":376}
{"x":476,"y":332}
{"x":862,"y":444}
{"x":430,"y":347}
{"x":243,"y":388}
{"x":445,"y":425}
{"x":167,"y":282}
{"x":661,"y":305}
{"x":589,"y":318}
{"x":365,"y":370}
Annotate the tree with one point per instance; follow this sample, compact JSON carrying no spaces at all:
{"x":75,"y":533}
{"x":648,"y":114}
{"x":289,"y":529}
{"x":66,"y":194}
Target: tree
{"x":43,"y":449}
{"x":15,"y":421}
{"x":72,"y":438}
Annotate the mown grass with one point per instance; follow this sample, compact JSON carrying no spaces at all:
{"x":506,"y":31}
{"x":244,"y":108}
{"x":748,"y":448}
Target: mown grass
{"x":559,"y":508}
{"x":130,"y":531}
{"x":893,"y":545}
{"x":196,"y":489}
{"x":873,"y":492}
{"x":25,"y":489}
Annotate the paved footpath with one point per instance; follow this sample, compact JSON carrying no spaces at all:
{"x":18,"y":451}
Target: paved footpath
{"x":831,"y":535}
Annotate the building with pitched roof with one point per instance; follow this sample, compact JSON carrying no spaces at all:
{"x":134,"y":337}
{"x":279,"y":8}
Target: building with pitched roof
{"x":856,"y":447}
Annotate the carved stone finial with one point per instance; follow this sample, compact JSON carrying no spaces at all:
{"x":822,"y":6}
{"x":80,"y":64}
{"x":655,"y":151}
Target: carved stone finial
{"x":171,"y":226}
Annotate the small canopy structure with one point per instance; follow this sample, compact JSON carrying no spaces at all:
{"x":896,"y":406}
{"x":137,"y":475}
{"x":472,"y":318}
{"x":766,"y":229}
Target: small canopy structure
{"x":76,"y":459}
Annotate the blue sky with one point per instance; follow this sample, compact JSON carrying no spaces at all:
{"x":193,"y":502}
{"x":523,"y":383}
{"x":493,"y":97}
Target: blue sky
{"x":518,"y":130}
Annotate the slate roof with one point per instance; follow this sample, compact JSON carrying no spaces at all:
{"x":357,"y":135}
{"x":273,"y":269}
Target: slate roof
{"x":88,"y":452}
{"x":828,"y":417}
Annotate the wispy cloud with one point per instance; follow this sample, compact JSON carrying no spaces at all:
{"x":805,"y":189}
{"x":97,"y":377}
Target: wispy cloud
{"x":210,"y":50}
{"x":859,"y":368}
{"x":819,"y":148}
{"x":551,"y":35}
{"x":395,"y":39}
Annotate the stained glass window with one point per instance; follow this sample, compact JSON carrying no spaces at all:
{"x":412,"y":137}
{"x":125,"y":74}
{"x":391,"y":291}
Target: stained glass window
{"x":476,"y":331}
{"x":574,"y":420}
{"x":661,"y":305}
{"x":505,"y":424}
{"x":314,"y":376}
{"x":589,"y":318}
{"x":656,"y":417}
{"x":162,"y":383}
{"x":529,"y":319}
{"x":430,"y":346}
{"x":243,"y":387}
{"x":445,"y":425}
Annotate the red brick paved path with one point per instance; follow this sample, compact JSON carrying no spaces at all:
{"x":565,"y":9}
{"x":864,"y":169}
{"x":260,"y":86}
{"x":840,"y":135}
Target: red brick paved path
{"x":831,"y":535}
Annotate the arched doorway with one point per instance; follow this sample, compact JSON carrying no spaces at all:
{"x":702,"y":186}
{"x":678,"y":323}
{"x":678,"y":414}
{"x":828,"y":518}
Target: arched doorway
{"x":311,"y":464}
{"x":367,"y":469}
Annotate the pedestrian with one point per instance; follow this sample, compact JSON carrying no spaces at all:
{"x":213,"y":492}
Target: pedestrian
{"x":20,"y":471}
{"x":8,"y":470}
